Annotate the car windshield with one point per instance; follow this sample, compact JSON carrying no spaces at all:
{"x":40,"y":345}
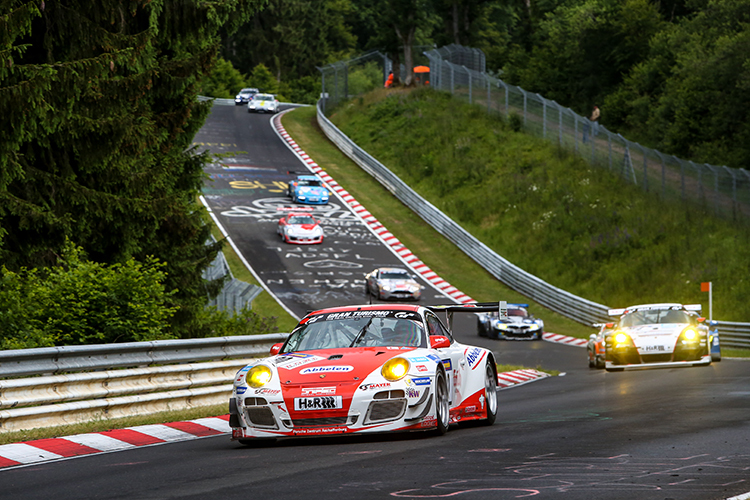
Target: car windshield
{"x":653,"y":317}
{"x":356,"y":332}
{"x":308,"y":182}
{"x":515,"y":311}
{"x":263,"y":97}
{"x":301,"y":219}
{"x":246,"y":92}
{"x":394,"y":275}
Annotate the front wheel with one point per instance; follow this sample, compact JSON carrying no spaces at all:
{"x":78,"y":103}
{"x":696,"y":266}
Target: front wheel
{"x":490,"y":392}
{"x":442,"y":407}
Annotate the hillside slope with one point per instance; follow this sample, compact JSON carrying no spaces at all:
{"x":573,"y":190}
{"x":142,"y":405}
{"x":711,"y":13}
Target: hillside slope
{"x":579,"y":228}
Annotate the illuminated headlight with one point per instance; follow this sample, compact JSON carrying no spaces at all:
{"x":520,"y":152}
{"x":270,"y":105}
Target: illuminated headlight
{"x":258,"y":376}
{"x":395,"y":369}
{"x":621,"y":338}
{"x":690,"y":335}
{"x":500,"y":326}
{"x":534,"y":327}
{"x":387,"y":288}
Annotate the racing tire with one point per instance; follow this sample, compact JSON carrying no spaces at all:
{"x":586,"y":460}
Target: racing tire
{"x":490,"y":393}
{"x":598,"y":362}
{"x":442,"y":405}
{"x":480,"y":329}
{"x":592,"y":363}
{"x":614,"y":369}
{"x":715,"y":357}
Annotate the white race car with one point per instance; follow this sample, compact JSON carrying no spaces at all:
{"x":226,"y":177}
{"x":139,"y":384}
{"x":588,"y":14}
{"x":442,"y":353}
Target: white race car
{"x":392,"y":283}
{"x":366,"y":369}
{"x":518,"y":324}
{"x":263,"y":103}
{"x":657,"y":335}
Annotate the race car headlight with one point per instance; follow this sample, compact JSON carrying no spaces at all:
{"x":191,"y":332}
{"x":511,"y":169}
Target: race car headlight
{"x":395,"y":369}
{"x":621,"y":338}
{"x":501,"y":326}
{"x":690,"y":335}
{"x":258,"y":376}
{"x":387,"y":288}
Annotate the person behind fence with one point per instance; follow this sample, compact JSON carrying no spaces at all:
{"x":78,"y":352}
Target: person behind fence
{"x":389,"y":80}
{"x":591,"y":125}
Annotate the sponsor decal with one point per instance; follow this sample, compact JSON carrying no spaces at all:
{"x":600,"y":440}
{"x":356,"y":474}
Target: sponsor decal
{"x":481,"y":401}
{"x":292,"y":362}
{"x":421,"y":381}
{"x":326,"y":369}
{"x":420,"y":359}
{"x":411,"y":392}
{"x":241,"y":390}
{"x":473,"y":356}
{"x":319,"y":430}
{"x":433,"y":357}
{"x":652,"y":348}
{"x":319,"y":391}
{"x":357,"y":314}
{"x":405,"y":315}
{"x":270,"y":392}
{"x":470,"y":409}
{"x":380,"y":385}
{"x":319,"y":403}
{"x":421,"y":368}
{"x":237,"y":433}
{"x":428,"y":421}
{"x":447,"y":364}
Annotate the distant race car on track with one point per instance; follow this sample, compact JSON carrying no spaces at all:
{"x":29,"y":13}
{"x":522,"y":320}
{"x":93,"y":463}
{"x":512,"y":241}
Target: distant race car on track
{"x":245,"y":96}
{"x":366,"y":369}
{"x":595,"y":347}
{"x":308,"y":189}
{"x":518,"y":325}
{"x":300,"y":228}
{"x":392,"y":283}
{"x":659,"y":335}
{"x":263,"y":103}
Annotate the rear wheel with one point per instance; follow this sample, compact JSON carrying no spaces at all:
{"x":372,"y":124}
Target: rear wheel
{"x":490,"y":392}
{"x":442,"y":406}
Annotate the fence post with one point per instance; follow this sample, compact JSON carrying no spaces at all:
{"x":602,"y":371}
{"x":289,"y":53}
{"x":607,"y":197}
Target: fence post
{"x":575,"y":130}
{"x":469,"y":75}
{"x":544,"y":116}
{"x":645,"y":168}
{"x":489,"y":96}
{"x":524,"y":104}
{"x":716,"y":187}
{"x":682,"y":177}
{"x":323,"y":88}
{"x":559,"y":124}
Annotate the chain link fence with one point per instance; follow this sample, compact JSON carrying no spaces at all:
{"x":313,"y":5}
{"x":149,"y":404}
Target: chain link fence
{"x":720,"y":190}
{"x":236,"y":294}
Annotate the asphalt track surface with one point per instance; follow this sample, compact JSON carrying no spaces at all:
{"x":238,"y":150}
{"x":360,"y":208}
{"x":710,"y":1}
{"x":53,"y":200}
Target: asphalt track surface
{"x":678,"y":433}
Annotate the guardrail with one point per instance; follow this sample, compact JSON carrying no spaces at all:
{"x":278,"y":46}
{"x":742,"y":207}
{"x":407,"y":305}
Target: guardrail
{"x":558,"y":300}
{"x":565,"y":303}
{"x":156,"y":376}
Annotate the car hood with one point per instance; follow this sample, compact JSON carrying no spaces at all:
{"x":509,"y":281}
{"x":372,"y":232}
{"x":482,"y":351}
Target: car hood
{"x":302,"y":227}
{"x":399,"y":283}
{"x":312,"y":190}
{"x":330,"y":366}
{"x":650,"y":336}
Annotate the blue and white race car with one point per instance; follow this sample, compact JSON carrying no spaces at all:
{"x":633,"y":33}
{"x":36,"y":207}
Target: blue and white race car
{"x":659,"y":336}
{"x":518,"y":324}
{"x":308,"y":189}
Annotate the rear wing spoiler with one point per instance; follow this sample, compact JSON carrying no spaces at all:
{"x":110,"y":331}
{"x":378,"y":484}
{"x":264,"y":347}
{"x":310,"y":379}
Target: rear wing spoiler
{"x":475,"y":307}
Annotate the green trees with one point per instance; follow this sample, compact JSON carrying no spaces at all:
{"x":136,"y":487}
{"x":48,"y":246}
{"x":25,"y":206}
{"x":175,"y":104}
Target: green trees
{"x":98,"y":111}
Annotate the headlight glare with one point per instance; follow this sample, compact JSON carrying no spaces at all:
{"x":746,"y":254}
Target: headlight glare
{"x":690,"y":334}
{"x":395,"y":369}
{"x":621,"y":338}
{"x":258,"y":376}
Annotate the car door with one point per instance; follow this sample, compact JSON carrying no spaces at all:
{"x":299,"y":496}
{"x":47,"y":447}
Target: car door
{"x":453,"y":358}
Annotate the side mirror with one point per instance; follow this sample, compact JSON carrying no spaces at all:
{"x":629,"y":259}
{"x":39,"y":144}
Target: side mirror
{"x":610,"y":325}
{"x":701,"y":320}
{"x":439,"y":342}
{"x":276,"y":348}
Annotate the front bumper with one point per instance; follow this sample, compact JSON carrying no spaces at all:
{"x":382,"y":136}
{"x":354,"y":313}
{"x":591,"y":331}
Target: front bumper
{"x":400,"y":295}
{"x":518,"y":334}
{"x":303,"y":240}
{"x":389,"y":410}
{"x":703,"y":361}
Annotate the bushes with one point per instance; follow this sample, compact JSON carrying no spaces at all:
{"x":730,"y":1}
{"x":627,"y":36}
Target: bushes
{"x":83,"y":302}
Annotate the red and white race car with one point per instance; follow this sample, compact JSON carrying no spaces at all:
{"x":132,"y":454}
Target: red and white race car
{"x":365,"y":369}
{"x":300,"y":228}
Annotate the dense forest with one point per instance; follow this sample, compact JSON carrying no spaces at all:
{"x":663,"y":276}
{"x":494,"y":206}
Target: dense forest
{"x":98,"y":110}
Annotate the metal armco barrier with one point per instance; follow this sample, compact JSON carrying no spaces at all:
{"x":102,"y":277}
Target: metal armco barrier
{"x":562,"y":302}
{"x":157,"y":376}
